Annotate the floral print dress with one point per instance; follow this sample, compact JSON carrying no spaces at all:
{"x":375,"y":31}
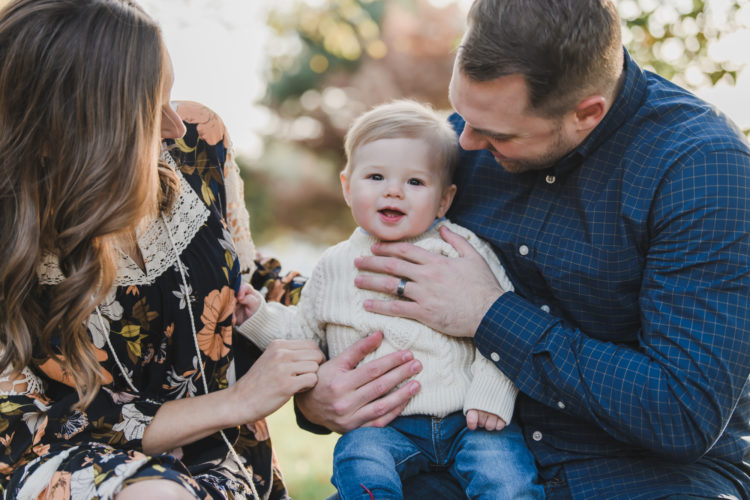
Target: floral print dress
{"x":51,"y":451}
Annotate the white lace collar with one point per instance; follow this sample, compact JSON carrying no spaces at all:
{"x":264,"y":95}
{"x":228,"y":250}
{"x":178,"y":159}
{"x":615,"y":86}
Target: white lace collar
{"x":184,"y":220}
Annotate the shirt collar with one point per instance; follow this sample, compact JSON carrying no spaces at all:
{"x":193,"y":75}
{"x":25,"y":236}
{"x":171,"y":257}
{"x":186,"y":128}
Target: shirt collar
{"x":625,"y":106}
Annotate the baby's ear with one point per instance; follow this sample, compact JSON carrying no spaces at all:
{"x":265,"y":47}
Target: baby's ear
{"x":345,"y":187}
{"x":447,"y":198}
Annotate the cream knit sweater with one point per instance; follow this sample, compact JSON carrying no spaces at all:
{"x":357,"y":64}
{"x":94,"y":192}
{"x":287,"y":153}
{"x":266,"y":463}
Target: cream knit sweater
{"x":455,"y":376}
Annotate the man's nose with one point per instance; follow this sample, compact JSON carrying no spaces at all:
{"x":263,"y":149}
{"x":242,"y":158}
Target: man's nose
{"x":471,"y":141}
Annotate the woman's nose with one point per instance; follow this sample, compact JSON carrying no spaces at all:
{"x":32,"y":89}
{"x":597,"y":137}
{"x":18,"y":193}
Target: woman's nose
{"x":172,"y":126}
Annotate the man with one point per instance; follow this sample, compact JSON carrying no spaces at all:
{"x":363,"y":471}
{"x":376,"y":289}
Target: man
{"x":620,"y":206}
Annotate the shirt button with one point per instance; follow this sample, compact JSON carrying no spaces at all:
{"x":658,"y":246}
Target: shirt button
{"x":545,"y":308}
{"x":523,"y":250}
{"x":536,"y":436}
{"x":550,"y":179}
{"x":495,"y":357}
{"x":561,"y":405}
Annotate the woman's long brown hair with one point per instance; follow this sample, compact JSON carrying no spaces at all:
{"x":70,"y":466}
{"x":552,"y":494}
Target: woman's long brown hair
{"x":80,"y":96}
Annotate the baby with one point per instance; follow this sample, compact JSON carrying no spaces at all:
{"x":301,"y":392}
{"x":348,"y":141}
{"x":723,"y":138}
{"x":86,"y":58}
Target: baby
{"x":397,"y":182}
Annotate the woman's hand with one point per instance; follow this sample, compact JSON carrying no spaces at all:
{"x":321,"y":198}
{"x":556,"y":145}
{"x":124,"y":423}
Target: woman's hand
{"x":285,"y":368}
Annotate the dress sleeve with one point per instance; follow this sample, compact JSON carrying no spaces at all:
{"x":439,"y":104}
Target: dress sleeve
{"x":32,"y":424}
{"x":276,"y":285}
{"x":238,"y":218}
{"x":206,"y":151}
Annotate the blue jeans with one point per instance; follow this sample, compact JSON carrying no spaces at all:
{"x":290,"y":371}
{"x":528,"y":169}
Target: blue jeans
{"x":486,"y":464}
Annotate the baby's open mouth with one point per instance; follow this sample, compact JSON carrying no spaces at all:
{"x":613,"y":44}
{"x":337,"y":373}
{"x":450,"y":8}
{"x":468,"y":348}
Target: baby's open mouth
{"x":391,"y":212}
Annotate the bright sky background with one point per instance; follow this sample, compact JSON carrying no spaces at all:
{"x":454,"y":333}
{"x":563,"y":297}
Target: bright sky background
{"x":217,"y":48}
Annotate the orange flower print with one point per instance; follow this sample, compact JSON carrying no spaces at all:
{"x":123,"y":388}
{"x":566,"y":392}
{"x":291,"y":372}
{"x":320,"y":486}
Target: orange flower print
{"x":59,"y":487}
{"x":210,"y":127}
{"x":169,"y":330}
{"x":54,"y":369}
{"x":41,"y":449}
{"x":5,"y":440}
{"x":214,"y":340}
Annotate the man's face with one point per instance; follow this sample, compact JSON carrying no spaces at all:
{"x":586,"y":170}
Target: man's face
{"x":498,"y":120}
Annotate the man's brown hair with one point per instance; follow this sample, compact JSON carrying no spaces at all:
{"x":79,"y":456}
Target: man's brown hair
{"x":565,"y":49}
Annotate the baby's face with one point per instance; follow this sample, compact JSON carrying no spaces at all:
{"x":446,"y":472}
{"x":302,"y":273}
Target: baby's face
{"x":396,"y":188}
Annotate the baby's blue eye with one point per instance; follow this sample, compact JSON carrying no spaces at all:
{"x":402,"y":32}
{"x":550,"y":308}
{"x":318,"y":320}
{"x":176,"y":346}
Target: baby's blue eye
{"x":415,"y":182}
{"x":375,"y":177}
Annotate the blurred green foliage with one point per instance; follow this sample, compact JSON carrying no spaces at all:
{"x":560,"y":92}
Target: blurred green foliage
{"x":673,"y":37}
{"x":330,"y":37}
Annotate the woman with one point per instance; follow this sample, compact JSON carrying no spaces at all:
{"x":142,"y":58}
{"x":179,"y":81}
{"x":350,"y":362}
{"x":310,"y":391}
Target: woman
{"x":118,"y":276}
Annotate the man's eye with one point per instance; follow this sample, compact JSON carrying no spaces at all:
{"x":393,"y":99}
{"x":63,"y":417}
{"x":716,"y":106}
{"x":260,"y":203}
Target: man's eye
{"x":415,"y":182}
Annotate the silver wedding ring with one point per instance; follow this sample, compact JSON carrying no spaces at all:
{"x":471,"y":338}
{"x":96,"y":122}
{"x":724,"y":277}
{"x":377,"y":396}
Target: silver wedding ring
{"x":401,"y":288}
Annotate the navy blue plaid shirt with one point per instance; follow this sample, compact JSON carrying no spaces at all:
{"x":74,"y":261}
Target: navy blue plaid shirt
{"x":629,"y":330}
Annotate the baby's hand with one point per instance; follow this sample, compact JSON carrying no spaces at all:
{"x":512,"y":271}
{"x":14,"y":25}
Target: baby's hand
{"x":479,"y":418}
{"x":248,"y":303}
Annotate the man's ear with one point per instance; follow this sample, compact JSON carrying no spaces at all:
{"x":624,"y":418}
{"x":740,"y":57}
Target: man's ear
{"x":446,"y":200}
{"x":345,"y":187}
{"x":589,"y":112}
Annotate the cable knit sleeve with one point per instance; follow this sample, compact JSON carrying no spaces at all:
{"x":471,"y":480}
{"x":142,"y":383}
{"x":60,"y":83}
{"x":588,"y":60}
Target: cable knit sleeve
{"x":275,"y":321}
{"x":490,"y":389}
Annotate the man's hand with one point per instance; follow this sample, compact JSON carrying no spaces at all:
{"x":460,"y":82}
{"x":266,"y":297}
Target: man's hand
{"x":450,"y":295}
{"x":348,"y":396}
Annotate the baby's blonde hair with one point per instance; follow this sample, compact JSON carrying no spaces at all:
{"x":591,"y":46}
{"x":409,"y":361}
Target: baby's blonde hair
{"x":404,"y":118}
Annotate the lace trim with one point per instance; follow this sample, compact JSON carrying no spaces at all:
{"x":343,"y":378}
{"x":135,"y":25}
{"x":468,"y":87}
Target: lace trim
{"x":238,"y":218}
{"x":34,"y":384}
{"x":185,"y":220}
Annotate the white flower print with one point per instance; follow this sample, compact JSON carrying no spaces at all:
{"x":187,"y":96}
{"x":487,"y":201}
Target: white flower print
{"x":133,"y":424}
{"x":82,"y":485}
{"x":100,"y":330}
{"x":181,"y":386}
{"x":110,"y":486}
{"x":120,"y":397}
{"x":184,"y":267}
{"x":75,"y":423}
{"x":34,"y":419}
{"x":184,"y":295}
{"x":227,"y":243}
